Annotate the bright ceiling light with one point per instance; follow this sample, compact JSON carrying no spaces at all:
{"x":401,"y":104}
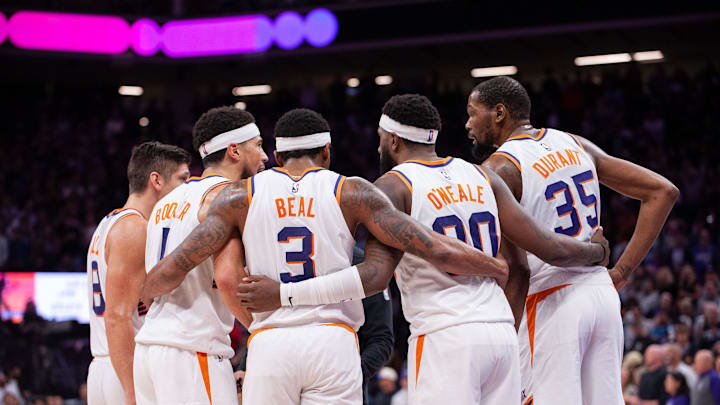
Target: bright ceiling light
{"x":240,"y":105}
{"x":130,"y":91}
{"x":353,"y":82}
{"x":648,"y":56}
{"x":144,"y":121}
{"x":383,"y":80}
{"x":602,"y":59}
{"x":251,"y":90}
{"x":494,"y":71}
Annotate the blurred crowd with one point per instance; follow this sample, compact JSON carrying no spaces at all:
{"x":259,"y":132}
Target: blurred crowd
{"x":66,"y":154}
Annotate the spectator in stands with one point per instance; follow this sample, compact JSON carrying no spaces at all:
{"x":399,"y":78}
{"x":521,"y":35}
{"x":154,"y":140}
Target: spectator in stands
{"x":673,"y":362}
{"x":387,"y":380}
{"x":677,"y":389}
{"x":707,"y":388}
{"x":652,"y":382}
{"x":401,"y":396}
{"x":707,"y":325}
{"x":9,"y":385}
{"x":11,"y":399}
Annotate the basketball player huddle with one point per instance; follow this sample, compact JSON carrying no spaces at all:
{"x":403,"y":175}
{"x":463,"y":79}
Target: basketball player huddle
{"x":501,"y":265}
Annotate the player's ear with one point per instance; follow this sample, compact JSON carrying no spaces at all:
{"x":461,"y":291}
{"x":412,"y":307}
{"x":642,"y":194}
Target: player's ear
{"x":326,"y":154}
{"x":394,"y":142}
{"x":233,"y":152}
{"x":278,"y":159}
{"x":500,"y":113}
{"x":155,"y":181}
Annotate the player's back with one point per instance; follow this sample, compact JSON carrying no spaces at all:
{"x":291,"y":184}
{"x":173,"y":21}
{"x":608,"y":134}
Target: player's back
{"x":295,"y":230}
{"x":97,"y":276}
{"x":193,"y":316}
{"x":455,"y":198}
{"x":560,"y":190}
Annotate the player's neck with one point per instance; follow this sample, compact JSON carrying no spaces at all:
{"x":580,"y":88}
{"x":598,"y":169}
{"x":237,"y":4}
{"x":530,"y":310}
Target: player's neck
{"x":227,"y":171}
{"x":296,"y":166}
{"x":425,"y":155}
{"x":516,"y":128}
{"x":142,"y":202}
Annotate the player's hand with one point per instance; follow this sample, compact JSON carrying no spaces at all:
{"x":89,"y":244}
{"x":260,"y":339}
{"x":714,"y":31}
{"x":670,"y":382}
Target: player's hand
{"x":599,"y":238}
{"x":618,"y":279}
{"x":259,"y":293}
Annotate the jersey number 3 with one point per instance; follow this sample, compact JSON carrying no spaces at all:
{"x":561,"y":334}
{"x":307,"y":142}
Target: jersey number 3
{"x":568,"y":208}
{"x":303,"y":257}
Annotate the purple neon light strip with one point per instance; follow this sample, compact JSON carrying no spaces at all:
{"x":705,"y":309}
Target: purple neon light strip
{"x":177,"y":39}
{"x":216,"y":36}
{"x":69,"y":32}
{"x":3,"y":28}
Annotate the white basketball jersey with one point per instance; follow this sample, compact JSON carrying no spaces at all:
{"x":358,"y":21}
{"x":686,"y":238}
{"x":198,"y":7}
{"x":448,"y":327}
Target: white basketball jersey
{"x":97,"y":274}
{"x":294,"y":231}
{"x":455,"y":198}
{"x":193,"y":316}
{"x":561,"y":191}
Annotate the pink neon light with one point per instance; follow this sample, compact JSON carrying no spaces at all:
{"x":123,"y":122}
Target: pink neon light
{"x":69,"y":32}
{"x":3,"y":28}
{"x":216,"y":36}
{"x":145,"y":37}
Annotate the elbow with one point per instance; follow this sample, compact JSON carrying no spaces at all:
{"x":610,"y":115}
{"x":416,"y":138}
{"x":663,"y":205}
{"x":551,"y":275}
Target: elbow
{"x":226,"y":282}
{"x":671,"y":192}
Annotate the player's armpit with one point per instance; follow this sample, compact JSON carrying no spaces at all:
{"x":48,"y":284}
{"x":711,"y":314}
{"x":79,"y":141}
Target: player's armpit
{"x":227,"y":212}
{"x":657,"y":196}
{"x":553,"y":248}
{"x":125,"y":247}
{"x":229,"y":271}
{"x":371,"y":207}
{"x":519,"y":279}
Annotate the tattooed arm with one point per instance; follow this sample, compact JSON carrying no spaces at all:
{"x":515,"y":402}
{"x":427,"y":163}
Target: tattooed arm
{"x":368,"y":205}
{"x":550,"y":247}
{"x":227,"y":212}
{"x":392,"y":232}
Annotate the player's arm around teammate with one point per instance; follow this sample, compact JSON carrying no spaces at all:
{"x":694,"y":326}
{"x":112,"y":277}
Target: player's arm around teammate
{"x":126,"y":272}
{"x":362,"y":203}
{"x":657,"y":196}
{"x":259,"y":293}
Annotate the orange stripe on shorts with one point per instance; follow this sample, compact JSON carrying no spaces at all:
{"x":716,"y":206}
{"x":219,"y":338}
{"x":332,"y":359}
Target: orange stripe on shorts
{"x":531,"y":307}
{"x":418,"y":356}
{"x":203,"y":361}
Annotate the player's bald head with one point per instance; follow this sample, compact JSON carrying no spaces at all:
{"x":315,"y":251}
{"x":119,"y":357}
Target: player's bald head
{"x":506,"y":91}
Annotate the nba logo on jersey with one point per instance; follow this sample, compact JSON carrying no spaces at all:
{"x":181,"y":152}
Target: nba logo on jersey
{"x":546,"y":146}
{"x":431,"y":133}
{"x":295,"y":188}
{"x":446,"y":174}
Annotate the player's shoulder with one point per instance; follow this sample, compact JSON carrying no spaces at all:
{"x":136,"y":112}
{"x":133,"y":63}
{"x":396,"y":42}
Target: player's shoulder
{"x":129,"y":225}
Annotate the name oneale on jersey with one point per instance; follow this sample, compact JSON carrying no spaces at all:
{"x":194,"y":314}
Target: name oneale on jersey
{"x":455,"y":198}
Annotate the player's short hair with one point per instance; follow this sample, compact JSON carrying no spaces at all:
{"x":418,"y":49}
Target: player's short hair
{"x":215,"y":122}
{"x":151,"y":157}
{"x":414,"y":110}
{"x":506,"y":91}
{"x":300,"y":122}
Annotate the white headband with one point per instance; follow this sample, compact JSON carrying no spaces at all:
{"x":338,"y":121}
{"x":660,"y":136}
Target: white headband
{"x":415,"y":134}
{"x":285,"y":144}
{"x":237,"y":135}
